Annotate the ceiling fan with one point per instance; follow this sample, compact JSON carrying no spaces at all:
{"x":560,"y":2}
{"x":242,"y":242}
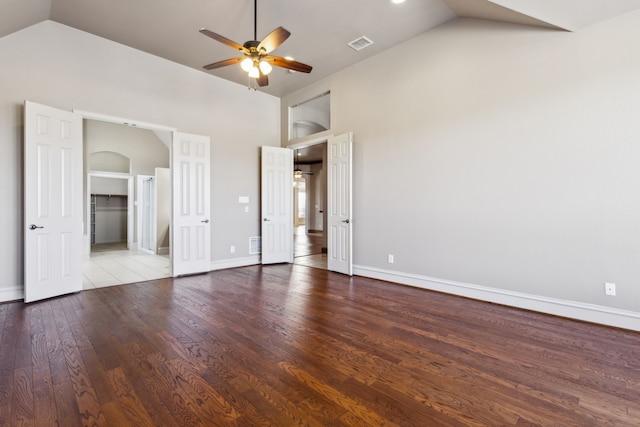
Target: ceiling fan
{"x":256,"y":60}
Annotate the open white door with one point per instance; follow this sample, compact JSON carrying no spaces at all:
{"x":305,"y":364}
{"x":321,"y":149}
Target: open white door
{"x":191,"y":232}
{"x":339,"y":150}
{"x":52,"y":202}
{"x":277,"y":205}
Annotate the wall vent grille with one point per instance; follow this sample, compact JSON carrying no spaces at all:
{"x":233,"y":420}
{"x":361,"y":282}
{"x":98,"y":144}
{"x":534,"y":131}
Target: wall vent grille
{"x":255,"y":245}
{"x":360,"y":43}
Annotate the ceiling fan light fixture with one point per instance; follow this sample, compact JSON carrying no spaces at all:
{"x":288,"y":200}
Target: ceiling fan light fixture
{"x":246,"y":64}
{"x":257,"y":61}
{"x":265,"y":67}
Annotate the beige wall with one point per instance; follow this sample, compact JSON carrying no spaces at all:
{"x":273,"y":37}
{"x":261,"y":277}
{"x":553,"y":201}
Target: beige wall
{"x":501,"y":163}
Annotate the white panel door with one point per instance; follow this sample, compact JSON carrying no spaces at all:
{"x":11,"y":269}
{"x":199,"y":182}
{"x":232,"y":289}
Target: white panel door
{"x":339,"y":150}
{"x":277,"y":205}
{"x":52,"y":202}
{"x":191,"y":231}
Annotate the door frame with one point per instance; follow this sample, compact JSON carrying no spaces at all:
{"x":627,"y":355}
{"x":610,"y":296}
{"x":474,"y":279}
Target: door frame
{"x":130,"y":207}
{"x":308,"y":143}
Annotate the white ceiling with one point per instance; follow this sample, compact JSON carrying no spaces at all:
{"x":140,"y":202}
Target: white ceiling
{"x":320,"y":30}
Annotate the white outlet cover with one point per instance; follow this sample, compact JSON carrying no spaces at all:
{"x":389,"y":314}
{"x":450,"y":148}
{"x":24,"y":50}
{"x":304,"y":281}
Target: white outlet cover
{"x":610,"y":289}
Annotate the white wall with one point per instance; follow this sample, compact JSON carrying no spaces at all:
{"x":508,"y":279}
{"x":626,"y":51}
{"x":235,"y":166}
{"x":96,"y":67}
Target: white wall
{"x":501,"y":163}
{"x":56,"y":65}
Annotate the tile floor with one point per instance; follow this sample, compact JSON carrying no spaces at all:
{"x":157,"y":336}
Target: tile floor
{"x":117,"y":267}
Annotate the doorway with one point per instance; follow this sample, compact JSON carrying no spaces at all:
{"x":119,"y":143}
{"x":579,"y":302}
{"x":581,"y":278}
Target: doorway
{"x":56,"y":170}
{"x":116,"y":157}
{"x":310,"y":200}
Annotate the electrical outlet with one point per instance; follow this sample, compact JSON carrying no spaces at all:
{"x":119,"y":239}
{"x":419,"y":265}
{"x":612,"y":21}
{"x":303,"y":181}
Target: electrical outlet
{"x":610,"y":289}
{"x":232,"y":249}
{"x":390,"y":259}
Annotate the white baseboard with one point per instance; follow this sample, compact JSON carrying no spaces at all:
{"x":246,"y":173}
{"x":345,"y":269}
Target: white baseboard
{"x":11,"y":294}
{"x":235,"y":262}
{"x":164,"y":250}
{"x":572,"y":309}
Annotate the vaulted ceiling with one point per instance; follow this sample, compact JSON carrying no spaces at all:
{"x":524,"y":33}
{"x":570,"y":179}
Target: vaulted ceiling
{"x":320,"y":30}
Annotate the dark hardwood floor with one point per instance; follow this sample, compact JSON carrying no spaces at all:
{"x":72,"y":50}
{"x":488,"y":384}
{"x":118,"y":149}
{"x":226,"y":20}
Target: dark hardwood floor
{"x":306,"y":244}
{"x":290,"y":345}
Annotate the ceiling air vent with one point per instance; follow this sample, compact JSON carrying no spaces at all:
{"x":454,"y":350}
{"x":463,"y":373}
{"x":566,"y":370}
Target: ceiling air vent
{"x":360,"y":43}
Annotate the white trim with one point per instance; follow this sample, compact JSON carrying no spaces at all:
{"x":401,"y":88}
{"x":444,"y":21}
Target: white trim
{"x":122,"y":121}
{"x":235,"y":262}
{"x":564,"y":308}
{"x":314,"y":139}
{"x":11,"y":294}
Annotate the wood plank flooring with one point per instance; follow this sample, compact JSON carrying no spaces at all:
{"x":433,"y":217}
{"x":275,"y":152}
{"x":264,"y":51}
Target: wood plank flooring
{"x":290,"y":345}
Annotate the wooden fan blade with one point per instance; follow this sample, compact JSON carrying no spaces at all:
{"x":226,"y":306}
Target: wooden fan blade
{"x":222,"y":39}
{"x":289,"y":64}
{"x":274,"y":39}
{"x":263,"y":80}
{"x":224,"y":63}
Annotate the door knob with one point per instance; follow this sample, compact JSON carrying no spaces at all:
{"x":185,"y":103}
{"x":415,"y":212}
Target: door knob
{"x":346,"y":221}
{"x":206,"y":221}
{"x":33,"y":227}
{"x":266,"y":219}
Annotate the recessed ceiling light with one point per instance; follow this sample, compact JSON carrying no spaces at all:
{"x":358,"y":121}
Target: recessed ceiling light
{"x":397,"y":1}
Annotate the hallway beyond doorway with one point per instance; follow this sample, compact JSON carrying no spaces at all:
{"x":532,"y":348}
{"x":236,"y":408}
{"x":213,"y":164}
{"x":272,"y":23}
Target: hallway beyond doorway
{"x":308,"y":248}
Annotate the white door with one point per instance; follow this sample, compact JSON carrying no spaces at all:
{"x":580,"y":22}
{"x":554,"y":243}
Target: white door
{"x":339,"y":150}
{"x":191,"y":232}
{"x":277,"y":205}
{"x":52,"y":202}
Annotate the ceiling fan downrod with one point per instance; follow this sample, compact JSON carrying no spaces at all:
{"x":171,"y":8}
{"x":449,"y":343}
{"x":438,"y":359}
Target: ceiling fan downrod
{"x":255,"y":19}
